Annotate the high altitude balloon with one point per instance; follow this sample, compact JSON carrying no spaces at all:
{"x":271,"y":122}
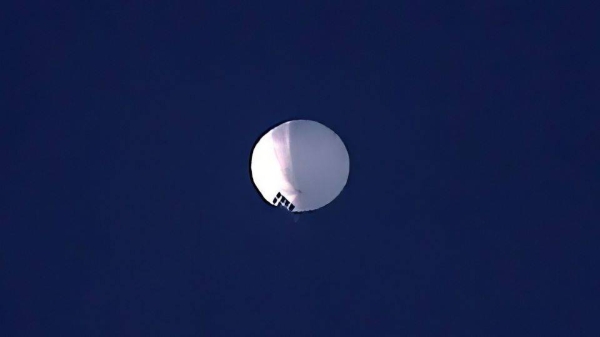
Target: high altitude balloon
{"x":302,"y":165}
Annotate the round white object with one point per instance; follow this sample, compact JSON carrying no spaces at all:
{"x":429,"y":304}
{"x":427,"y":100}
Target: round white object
{"x":301,"y":164}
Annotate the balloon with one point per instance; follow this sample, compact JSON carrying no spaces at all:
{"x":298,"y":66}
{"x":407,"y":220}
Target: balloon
{"x":301,"y":165}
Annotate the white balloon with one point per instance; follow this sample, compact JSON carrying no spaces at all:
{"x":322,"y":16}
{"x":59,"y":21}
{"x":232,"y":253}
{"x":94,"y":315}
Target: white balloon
{"x":300,"y":164}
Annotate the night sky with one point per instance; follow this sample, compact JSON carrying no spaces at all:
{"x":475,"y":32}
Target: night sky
{"x":127,"y":207}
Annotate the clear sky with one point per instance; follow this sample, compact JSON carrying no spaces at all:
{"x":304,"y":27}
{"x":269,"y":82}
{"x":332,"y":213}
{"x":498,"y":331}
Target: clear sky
{"x":127,"y":207}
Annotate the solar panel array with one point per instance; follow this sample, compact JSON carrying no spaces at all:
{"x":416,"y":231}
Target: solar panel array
{"x":280,"y":200}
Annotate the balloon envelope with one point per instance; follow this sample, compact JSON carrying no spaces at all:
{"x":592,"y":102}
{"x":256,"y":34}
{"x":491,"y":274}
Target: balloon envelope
{"x":300,"y":164}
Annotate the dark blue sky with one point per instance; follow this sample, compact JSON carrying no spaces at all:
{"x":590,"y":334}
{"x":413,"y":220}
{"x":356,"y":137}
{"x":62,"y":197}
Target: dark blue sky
{"x":471,"y":209}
